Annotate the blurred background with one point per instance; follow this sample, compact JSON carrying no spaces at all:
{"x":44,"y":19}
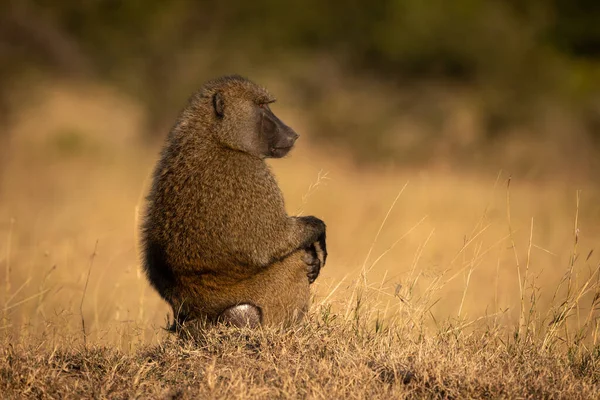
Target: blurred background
{"x":444,"y":99}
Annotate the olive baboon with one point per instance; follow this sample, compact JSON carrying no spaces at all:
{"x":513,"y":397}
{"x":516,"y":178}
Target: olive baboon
{"x":217,"y":241}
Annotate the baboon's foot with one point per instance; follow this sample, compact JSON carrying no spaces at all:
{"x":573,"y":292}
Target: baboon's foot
{"x":242,"y":316}
{"x":314,"y":261}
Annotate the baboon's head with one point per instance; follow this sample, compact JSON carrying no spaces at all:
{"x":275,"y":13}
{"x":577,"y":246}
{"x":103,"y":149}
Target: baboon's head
{"x":243,"y":119}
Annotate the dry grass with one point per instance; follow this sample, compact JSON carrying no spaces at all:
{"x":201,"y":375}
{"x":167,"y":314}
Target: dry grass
{"x":461,"y":283}
{"x":324,"y":359}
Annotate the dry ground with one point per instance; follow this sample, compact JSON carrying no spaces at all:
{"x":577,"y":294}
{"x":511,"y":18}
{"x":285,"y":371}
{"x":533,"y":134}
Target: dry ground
{"x":328,"y":360}
{"x":440,"y":283}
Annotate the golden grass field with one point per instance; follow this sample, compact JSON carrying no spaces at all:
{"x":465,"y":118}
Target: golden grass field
{"x":432,"y":273}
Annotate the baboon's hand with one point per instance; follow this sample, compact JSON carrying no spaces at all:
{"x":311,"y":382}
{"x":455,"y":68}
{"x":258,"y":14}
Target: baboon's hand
{"x":316,"y":226}
{"x":316,"y":230}
{"x":321,"y":250}
{"x":313,"y":262}
{"x":316,"y":252}
{"x":315,"y":258}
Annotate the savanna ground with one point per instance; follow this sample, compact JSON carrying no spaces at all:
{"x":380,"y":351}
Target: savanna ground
{"x":440,"y":282}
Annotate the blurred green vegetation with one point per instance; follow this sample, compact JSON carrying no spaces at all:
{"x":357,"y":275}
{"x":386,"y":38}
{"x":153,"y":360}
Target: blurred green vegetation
{"x":513,"y":58}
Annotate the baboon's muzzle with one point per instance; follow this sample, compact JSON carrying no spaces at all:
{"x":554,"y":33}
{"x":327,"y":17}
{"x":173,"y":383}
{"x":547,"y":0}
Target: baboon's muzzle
{"x":284,"y":136}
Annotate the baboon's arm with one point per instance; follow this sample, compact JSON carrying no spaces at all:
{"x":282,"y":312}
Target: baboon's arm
{"x":265,"y":245}
{"x":246,"y":216}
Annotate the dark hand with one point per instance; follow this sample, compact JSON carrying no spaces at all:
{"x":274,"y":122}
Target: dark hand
{"x":313,"y":264}
{"x":314,"y":258}
{"x":316,"y":227}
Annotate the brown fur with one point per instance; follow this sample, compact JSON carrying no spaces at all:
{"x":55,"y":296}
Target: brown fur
{"x":216,"y":232}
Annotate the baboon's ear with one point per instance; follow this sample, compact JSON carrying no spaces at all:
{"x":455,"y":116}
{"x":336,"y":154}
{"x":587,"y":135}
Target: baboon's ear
{"x":218,"y":104}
